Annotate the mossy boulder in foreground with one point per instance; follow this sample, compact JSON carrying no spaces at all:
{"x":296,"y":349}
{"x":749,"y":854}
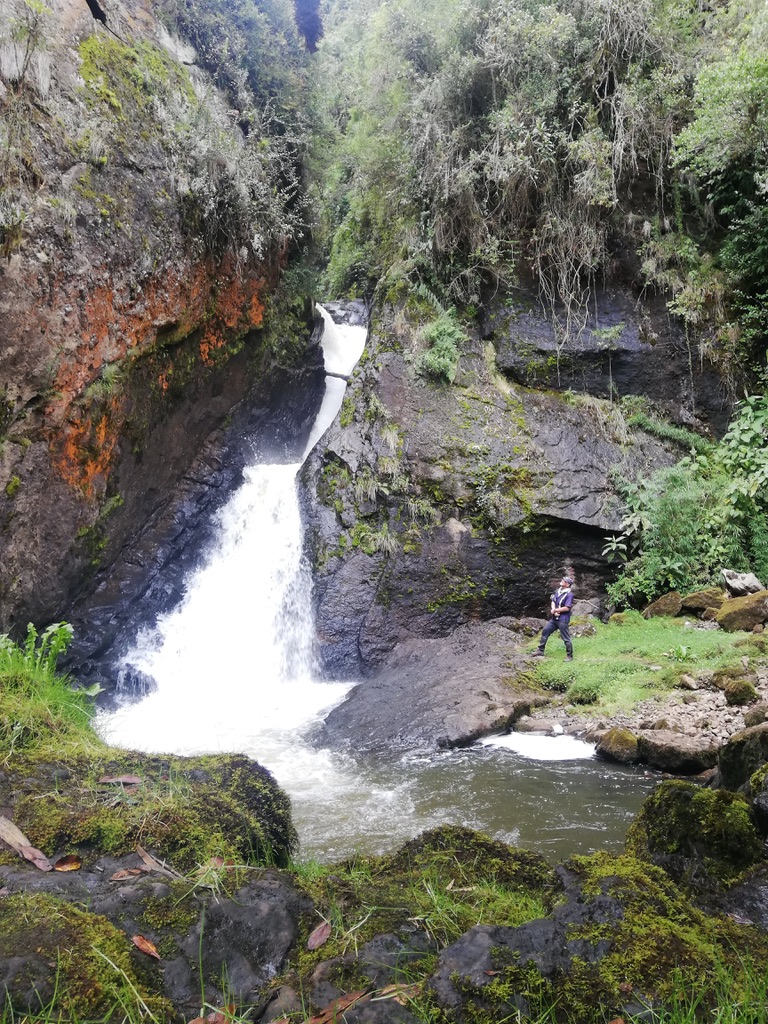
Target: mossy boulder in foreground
{"x":184,"y":809}
{"x":471,"y":929}
{"x":696,"y":835}
{"x":78,"y":963}
{"x":624,"y":938}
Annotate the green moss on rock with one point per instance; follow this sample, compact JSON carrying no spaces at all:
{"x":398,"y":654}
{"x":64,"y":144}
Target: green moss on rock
{"x":479,"y":856}
{"x":624,"y":937}
{"x":187,"y":810}
{"x":618,"y":744}
{"x":76,"y":961}
{"x":739,"y":692}
{"x":744,"y":753}
{"x":684,"y":828}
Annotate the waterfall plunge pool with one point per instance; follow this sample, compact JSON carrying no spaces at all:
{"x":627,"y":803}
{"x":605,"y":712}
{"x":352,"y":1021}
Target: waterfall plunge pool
{"x":234,"y":671}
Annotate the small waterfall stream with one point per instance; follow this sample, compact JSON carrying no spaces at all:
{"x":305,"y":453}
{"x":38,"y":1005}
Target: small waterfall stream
{"x":232,"y":670}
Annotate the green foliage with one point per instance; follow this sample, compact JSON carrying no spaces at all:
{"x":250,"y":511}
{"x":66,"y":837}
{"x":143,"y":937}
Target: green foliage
{"x":724,"y":145}
{"x":245,"y":44}
{"x":472,"y":135}
{"x":444,"y":337}
{"x":669,"y":432}
{"x":465,"y":140}
{"x":37,"y":704}
{"x":707,"y":513}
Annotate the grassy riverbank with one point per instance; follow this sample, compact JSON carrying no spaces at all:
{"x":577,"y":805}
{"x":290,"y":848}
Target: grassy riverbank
{"x":629,"y":659}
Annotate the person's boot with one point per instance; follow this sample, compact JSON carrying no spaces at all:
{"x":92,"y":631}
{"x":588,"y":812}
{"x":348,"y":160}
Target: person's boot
{"x":538,"y":653}
{"x":568,"y":656}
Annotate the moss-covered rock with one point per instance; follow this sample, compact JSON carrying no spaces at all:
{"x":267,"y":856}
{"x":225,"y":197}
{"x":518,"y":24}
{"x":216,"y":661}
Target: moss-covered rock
{"x":742,"y":756}
{"x":744,"y":613}
{"x":690,"y":831}
{"x":185,"y":810}
{"x":476,"y":855}
{"x":419,"y":900}
{"x":756,"y":715}
{"x":618,"y":744}
{"x":624,"y":938}
{"x":668,"y":604}
{"x":732,"y":673}
{"x":54,"y":954}
{"x":700,"y":600}
{"x":739,"y":692}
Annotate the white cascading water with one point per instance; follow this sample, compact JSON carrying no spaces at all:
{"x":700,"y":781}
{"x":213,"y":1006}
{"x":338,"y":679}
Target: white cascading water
{"x":233,"y":671}
{"x":233,"y":664}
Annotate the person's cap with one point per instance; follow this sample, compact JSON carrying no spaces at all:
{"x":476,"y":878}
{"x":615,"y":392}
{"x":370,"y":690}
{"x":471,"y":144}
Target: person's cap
{"x":568,"y":580}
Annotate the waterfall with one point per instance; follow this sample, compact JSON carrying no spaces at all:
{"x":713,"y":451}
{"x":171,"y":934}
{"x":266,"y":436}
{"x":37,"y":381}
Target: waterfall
{"x":232,"y":667}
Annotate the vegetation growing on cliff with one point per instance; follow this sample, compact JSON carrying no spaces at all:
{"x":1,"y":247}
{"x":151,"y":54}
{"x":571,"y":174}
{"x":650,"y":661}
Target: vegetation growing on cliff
{"x":709,"y":512}
{"x":478,"y":142}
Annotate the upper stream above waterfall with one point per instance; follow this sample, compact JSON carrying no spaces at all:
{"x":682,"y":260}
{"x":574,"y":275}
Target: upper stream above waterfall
{"x":232,"y":669}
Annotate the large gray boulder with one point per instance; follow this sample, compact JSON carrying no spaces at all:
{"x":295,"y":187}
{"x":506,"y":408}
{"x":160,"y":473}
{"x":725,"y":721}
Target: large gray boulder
{"x":739,"y":584}
{"x":435,"y":693}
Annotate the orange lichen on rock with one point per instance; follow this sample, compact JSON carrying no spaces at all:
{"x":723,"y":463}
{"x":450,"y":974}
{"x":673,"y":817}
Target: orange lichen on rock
{"x":86,"y":452}
{"x":118,"y":323}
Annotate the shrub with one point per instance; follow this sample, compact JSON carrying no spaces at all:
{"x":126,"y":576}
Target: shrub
{"x":441,"y":360}
{"x":583,"y":693}
{"x":708,"y":512}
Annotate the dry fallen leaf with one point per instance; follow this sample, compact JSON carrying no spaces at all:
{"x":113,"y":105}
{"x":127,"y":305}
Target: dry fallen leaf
{"x":122,"y":780}
{"x":119,"y":876}
{"x":156,"y":865}
{"x":400,"y":993}
{"x":35,"y":857}
{"x":146,"y":946}
{"x":319,"y":936}
{"x":222,"y":1016}
{"x":17,"y":841}
{"x":331,"y":1013}
{"x":491,"y":974}
{"x":69,"y":863}
{"x":5,"y":891}
{"x":197,"y":1020}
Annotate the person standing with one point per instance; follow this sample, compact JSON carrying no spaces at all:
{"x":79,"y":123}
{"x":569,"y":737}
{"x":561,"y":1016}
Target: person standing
{"x":560,"y":605}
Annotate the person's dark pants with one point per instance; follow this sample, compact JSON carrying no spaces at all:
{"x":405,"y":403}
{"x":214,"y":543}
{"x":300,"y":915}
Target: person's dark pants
{"x":561,"y":622}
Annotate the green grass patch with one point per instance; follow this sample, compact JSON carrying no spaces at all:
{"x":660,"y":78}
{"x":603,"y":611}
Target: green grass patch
{"x":629,"y":659}
{"x":38,"y":706}
{"x":442,"y":883}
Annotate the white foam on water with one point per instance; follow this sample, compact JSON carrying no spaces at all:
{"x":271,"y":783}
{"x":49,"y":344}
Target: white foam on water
{"x":539,"y":747}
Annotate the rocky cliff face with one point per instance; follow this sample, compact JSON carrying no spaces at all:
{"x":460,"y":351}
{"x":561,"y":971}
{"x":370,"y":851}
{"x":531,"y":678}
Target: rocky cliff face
{"x":434,"y":505}
{"x":141,"y":250}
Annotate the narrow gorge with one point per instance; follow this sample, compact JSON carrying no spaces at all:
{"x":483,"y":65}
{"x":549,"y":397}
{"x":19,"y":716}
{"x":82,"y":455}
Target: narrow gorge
{"x":332,"y":335}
